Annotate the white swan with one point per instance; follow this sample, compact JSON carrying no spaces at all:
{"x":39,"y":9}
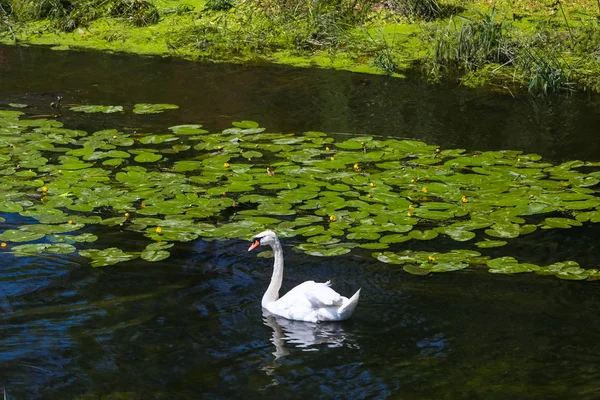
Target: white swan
{"x":310,"y":301}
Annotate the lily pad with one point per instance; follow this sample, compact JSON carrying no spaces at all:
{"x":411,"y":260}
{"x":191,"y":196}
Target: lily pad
{"x":145,"y":108}
{"x":109,"y":256}
{"x":33,"y":249}
{"x":97,"y":109}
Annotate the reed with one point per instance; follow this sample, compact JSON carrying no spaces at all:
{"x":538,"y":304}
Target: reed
{"x":473,"y":42}
{"x":546,"y":71}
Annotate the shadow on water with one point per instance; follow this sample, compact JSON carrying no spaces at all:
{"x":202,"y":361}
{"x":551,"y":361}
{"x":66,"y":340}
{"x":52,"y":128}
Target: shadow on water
{"x":191,"y":326}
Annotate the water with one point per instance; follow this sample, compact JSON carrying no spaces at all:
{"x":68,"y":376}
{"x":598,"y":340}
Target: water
{"x":192,"y":327}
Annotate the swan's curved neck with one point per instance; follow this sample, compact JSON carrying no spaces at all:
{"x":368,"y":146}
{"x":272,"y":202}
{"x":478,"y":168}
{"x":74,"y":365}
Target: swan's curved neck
{"x":272,"y":293}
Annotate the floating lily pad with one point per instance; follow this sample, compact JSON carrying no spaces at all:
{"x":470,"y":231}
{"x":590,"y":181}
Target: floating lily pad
{"x":97,"y":109}
{"x":33,"y":249}
{"x":190,"y":129}
{"x":109,"y":256}
{"x":146,"y":157}
{"x":486,"y":244}
{"x":14,"y":235}
{"x":144,"y":108}
{"x":156,"y":252}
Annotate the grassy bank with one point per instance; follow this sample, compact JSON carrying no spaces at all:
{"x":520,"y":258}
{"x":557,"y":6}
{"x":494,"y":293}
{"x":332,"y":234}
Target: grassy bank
{"x":541,"y":46}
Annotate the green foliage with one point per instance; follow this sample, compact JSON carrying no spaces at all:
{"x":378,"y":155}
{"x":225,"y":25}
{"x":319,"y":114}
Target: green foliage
{"x":137,"y":12}
{"x":263,"y":27}
{"x":66,"y":15}
{"x":423,"y":9}
{"x":473,"y":42}
{"x":547,"y":72}
{"x":219,"y":5}
{"x":385,"y":62}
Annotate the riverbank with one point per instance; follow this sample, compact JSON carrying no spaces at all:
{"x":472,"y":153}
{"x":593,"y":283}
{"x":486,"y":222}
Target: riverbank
{"x":540,"y":47}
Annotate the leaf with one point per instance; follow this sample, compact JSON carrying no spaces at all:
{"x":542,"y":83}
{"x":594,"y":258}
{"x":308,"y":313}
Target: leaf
{"x":146,"y":157}
{"x":154,"y":255}
{"x":486,"y":244}
{"x":190,"y":129}
{"x":97,"y":109}
{"x":245,"y":124}
{"x":14,"y":235}
{"x":156,"y":139}
{"x":144,"y":108}
{"x":109,"y":256}
{"x":32,"y":249}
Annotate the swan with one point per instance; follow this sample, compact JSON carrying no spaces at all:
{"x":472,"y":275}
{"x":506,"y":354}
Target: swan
{"x":310,"y":301}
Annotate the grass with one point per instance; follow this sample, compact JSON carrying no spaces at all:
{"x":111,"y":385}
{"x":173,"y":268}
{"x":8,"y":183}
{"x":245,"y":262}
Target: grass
{"x":543,"y":47}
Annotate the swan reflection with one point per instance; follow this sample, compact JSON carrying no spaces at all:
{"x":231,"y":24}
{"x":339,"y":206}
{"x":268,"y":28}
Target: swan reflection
{"x":307,"y":335}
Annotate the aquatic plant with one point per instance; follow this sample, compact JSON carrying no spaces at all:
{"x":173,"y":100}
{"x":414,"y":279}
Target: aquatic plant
{"x":385,"y":62}
{"x":547,"y":72}
{"x":333,"y":194}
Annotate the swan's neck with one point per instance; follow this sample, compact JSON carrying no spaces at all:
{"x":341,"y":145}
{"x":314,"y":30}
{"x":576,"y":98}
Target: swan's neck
{"x":272,"y":293}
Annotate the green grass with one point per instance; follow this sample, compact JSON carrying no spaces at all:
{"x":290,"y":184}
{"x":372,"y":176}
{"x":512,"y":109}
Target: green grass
{"x":541,"y":47}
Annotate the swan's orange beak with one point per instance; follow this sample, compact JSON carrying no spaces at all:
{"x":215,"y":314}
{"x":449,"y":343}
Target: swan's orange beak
{"x":254,"y":245}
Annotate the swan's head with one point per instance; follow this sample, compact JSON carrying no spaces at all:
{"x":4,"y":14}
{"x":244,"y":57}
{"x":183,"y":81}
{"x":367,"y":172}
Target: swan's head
{"x":263,"y":238}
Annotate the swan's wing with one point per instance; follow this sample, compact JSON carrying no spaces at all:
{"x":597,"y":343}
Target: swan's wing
{"x":311,"y":294}
{"x":321,"y":295}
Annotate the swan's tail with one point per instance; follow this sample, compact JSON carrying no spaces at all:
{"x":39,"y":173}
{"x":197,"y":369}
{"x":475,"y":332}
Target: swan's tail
{"x":346,"y":310}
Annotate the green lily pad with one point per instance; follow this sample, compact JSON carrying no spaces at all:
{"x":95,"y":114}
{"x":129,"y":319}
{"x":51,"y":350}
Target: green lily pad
{"x":146,"y":157}
{"x":560,"y":223}
{"x":33,"y":249}
{"x":144,"y":108}
{"x":245,"y":124}
{"x":14,"y":235}
{"x":109,"y":256}
{"x":486,"y":244}
{"x":189,"y":129}
{"x":97,"y":109}
{"x":156,"y":139}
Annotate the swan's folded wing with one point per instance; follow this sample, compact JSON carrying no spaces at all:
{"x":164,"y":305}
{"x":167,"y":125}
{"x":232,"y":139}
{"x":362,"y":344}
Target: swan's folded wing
{"x":321,"y":295}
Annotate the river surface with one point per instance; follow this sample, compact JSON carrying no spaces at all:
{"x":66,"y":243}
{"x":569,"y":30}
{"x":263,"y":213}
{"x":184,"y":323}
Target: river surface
{"x":192,"y":327}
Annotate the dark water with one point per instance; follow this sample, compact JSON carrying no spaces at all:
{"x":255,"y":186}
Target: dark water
{"x":192,"y":327}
